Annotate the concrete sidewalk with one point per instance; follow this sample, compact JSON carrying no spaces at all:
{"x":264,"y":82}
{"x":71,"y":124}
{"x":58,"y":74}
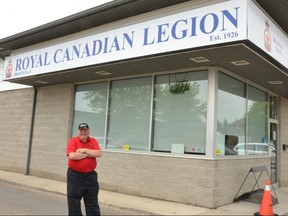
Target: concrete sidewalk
{"x":147,"y":205}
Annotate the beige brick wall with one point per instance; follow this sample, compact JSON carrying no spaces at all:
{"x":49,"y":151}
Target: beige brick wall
{"x":52,"y":130}
{"x":15,"y":118}
{"x":200,"y":182}
{"x":230,"y":174}
{"x":283,"y":155}
{"x":177,"y":179}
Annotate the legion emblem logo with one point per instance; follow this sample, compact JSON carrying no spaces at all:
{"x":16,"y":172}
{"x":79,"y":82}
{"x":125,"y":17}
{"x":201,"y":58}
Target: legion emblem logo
{"x":9,"y":69}
{"x":267,"y":37}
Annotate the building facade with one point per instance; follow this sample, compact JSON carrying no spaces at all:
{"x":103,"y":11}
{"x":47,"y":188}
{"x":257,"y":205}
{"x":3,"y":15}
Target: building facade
{"x":184,"y":97}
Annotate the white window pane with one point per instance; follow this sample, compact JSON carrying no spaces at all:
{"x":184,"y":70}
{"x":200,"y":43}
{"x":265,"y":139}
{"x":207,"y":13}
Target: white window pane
{"x":231,"y":115}
{"x":90,"y":107}
{"x":257,"y":120}
{"x":129,"y":114}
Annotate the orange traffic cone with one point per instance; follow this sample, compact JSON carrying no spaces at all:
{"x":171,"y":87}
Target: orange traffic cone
{"x":266,"y":207}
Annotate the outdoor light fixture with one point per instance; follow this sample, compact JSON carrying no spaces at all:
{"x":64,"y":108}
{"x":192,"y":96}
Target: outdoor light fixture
{"x":104,"y":73}
{"x":41,"y":82}
{"x":199,"y":59}
{"x":240,"y":62}
{"x":275,"y":82}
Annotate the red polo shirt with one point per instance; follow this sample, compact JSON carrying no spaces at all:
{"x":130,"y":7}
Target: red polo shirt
{"x":86,"y":164}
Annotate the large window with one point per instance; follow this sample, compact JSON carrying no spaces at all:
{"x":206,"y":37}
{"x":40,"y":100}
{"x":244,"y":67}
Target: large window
{"x":242,"y":118}
{"x":170,"y":115}
{"x":180,"y":118}
{"x":129,"y":114}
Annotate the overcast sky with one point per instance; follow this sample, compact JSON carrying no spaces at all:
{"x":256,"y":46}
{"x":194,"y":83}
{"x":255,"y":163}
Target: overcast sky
{"x":20,"y":15}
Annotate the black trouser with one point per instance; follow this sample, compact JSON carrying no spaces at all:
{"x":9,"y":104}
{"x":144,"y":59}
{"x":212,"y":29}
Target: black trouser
{"x":82,"y":185}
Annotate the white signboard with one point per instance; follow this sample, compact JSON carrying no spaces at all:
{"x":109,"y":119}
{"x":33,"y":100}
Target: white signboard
{"x":214,"y":24}
{"x":266,"y":35}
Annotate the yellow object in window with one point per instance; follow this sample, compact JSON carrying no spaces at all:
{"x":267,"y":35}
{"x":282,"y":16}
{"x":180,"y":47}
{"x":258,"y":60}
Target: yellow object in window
{"x":126,"y":147}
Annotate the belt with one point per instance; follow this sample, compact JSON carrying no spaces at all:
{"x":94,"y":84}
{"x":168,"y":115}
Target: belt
{"x":83,"y":173}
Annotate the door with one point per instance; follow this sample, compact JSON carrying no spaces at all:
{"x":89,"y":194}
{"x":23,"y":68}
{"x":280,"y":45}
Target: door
{"x":273,"y":150}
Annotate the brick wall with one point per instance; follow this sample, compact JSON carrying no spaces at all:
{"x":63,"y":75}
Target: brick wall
{"x":283,"y":155}
{"x":15,"y":118}
{"x":230,"y":174}
{"x":195,"y":181}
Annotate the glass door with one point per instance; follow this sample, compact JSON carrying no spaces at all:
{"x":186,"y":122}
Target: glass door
{"x":273,"y":150}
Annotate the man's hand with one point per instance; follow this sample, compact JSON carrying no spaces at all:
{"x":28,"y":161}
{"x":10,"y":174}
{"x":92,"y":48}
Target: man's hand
{"x":82,"y":150}
{"x":89,"y":152}
{"x":79,"y":154}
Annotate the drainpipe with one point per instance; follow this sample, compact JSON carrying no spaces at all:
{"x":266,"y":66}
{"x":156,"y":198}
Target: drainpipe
{"x":31,"y":132}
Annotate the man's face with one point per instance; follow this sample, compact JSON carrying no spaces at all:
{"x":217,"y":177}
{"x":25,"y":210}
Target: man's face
{"x":83,"y":133}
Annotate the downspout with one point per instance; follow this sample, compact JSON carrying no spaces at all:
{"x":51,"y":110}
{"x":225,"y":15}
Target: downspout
{"x":31,"y":131}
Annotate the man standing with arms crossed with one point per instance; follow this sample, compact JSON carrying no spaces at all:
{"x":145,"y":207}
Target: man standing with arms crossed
{"x":82,"y":180}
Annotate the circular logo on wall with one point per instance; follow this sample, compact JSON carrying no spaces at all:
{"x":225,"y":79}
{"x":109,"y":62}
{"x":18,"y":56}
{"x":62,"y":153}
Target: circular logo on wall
{"x":9,"y":69}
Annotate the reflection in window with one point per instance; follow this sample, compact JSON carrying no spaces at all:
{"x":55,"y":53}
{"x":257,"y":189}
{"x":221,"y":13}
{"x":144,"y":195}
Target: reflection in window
{"x":231,"y":115}
{"x":90,"y":107}
{"x":273,"y":107}
{"x":257,"y":119}
{"x":180,"y":118}
{"x":129,"y":114}
{"x":242,"y":120}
